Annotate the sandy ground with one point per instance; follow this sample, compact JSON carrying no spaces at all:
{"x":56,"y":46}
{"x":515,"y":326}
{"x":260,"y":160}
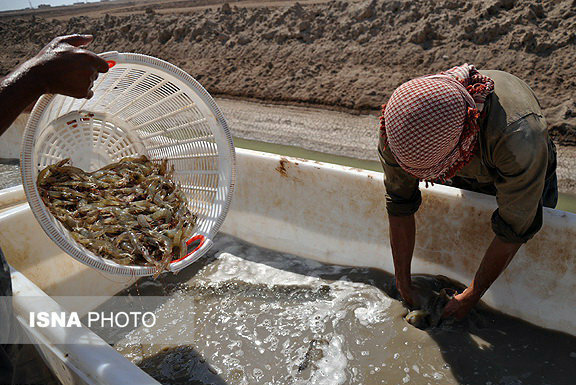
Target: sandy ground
{"x":9,"y":175}
{"x":315,"y":129}
{"x":330,"y":132}
{"x":566,"y":169}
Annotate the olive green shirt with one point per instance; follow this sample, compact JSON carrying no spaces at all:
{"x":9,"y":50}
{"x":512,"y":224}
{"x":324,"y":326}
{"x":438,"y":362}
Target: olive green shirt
{"x":514,"y":158}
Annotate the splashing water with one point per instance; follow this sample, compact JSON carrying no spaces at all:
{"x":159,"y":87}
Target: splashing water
{"x":255,"y":316}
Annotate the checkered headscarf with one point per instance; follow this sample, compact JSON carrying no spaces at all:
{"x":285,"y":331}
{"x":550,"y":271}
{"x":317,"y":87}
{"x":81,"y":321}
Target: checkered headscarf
{"x":430,"y":123}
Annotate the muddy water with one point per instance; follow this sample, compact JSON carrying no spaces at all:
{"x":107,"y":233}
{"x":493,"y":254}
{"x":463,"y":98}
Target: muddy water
{"x":9,"y":174}
{"x":246,"y":315}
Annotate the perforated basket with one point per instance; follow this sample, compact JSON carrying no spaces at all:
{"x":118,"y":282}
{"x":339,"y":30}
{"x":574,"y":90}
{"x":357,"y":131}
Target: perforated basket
{"x":142,"y":106}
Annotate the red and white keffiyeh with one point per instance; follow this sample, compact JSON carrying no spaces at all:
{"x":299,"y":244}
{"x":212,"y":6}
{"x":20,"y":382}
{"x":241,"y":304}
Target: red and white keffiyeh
{"x":431,"y":122}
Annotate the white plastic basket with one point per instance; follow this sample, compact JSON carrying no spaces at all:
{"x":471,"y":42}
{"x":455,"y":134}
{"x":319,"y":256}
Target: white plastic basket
{"x":142,"y":106}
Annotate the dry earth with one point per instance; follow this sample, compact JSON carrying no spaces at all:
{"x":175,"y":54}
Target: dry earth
{"x":335,"y":54}
{"x":340,"y":54}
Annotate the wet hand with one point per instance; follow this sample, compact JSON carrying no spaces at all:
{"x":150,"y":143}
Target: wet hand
{"x":406,"y":290}
{"x":459,"y":306}
{"x":65,"y":67}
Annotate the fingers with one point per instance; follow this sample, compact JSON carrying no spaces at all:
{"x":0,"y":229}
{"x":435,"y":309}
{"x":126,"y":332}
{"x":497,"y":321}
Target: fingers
{"x":100,"y":65}
{"x":77,"y":84}
{"x":448,"y":311}
{"x":88,"y":93}
{"x":68,"y":68}
{"x":454,"y":309}
{"x":80,"y":41}
{"x":407,"y":297}
{"x":76,"y":40}
{"x":409,"y":300}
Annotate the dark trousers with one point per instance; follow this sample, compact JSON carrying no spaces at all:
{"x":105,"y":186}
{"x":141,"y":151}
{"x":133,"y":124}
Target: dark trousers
{"x":6,"y":322}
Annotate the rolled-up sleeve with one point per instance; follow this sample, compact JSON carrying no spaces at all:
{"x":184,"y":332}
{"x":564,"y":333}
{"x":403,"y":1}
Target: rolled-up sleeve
{"x":403,"y":197}
{"x":521,"y":160}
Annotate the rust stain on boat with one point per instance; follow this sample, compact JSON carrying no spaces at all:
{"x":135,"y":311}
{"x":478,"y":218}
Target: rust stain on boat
{"x":282,"y":167}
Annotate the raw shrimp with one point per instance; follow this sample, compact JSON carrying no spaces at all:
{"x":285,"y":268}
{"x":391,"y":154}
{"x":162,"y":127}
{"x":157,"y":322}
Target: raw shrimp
{"x":130,"y":211}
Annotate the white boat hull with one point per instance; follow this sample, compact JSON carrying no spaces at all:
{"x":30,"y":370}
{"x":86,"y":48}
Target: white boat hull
{"x":330,"y":213}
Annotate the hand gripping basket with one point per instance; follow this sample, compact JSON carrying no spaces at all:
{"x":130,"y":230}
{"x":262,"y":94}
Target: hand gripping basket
{"x":142,"y":106}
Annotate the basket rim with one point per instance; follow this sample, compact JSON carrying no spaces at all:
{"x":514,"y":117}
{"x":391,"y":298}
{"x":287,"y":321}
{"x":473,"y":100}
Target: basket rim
{"x":29,"y":171}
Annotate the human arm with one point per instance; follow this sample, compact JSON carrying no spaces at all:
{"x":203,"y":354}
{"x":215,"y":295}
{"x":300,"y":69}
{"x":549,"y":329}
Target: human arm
{"x":62,"y":67}
{"x":402,"y":201}
{"x":521,"y":158}
{"x":402,"y":239}
{"x":496,"y":259}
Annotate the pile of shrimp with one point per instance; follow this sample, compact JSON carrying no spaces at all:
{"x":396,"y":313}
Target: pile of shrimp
{"x":130,"y":212}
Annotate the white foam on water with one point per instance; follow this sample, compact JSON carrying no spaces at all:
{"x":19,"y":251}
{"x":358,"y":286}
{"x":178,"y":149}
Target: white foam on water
{"x":332,"y":367}
{"x":233,"y":268}
{"x":373,"y":313}
{"x":274,"y":306}
{"x":254,"y":316}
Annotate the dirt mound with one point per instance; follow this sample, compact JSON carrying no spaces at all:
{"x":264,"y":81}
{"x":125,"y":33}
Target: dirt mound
{"x":346,"y":54}
{"x":563,"y":126}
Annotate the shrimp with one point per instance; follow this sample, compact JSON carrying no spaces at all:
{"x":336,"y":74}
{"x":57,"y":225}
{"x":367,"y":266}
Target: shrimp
{"x":130,"y":211}
{"x":143,"y":221}
{"x":138,"y":246}
{"x":164,"y":214}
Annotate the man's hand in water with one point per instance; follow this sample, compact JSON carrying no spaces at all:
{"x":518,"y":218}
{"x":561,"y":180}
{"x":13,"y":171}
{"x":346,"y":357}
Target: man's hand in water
{"x":406,"y":290}
{"x":460,"y":305}
{"x":496,"y":258}
{"x":65,"y":67}
{"x":402,"y":237}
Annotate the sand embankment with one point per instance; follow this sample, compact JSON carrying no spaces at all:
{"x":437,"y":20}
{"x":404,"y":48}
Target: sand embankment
{"x":336,"y":55}
{"x":340,"y":54}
